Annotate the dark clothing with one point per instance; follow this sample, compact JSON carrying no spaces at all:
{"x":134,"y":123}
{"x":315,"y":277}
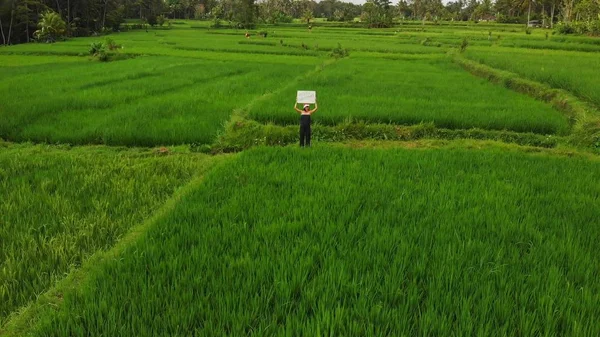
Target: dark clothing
{"x":304,"y":130}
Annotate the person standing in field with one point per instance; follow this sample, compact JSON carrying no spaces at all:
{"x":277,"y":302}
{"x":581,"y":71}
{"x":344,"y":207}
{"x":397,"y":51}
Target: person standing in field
{"x":305,"y":123}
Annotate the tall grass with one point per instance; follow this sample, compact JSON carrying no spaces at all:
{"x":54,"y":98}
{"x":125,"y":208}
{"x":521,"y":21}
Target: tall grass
{"x":59,"y":206}
{"x":340,"y":242}
{"x":411,"y":91}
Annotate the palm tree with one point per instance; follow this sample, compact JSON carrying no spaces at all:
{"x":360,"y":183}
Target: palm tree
{"x":51,"y":27}
{"x":307,"y":16}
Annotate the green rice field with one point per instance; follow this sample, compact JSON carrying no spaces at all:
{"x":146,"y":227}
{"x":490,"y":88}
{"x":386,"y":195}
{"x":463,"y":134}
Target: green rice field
{"x":142,"y":101}
{"x":410,"y":91}
{"x":59,"y":206}
{"x":179,"y":86}
{"x":437,"y":199}
{"x":573,"y":71}
{"x":360,"y":242}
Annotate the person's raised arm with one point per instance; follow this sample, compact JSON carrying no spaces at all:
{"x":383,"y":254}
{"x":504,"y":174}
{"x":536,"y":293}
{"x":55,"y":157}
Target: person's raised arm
{"x":296,"y":108}
{"x":315,"y":109}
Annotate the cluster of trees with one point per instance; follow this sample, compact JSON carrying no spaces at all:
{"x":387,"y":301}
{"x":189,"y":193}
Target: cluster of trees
{"x":266,"y":11}
{"x":19,"y":19}
{"x":379,"y":13}
{"x":504,"y":11}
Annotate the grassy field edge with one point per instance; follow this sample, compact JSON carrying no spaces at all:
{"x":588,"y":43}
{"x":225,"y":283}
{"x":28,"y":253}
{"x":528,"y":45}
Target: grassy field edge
{"x":25,"y":318}
{"x":241,"y":133}
{"x":469,"y":144}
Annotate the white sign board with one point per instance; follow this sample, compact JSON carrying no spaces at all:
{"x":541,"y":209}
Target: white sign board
{"x":306,"y":97}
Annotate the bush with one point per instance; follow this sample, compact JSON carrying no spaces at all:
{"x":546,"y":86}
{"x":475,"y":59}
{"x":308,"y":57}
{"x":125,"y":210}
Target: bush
{"x":463,"y":45}
{"x":160,"y":20}
{"x":99,"y":52}
{"x":96,"y":48}
{"x":152,"y":20}
{"x":427,"y":42}
{"x":582,"y":28}
{"x":594,"y":27}
{"x":564,"y":28}
{"x":111,"y":44}
{"x":339,"y":52}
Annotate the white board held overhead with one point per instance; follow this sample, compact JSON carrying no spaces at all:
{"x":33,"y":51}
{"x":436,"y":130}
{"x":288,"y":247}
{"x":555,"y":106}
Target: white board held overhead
{"x":306,"y":97}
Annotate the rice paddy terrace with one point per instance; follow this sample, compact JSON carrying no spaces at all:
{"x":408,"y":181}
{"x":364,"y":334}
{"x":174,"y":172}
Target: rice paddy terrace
{"x":450,"y":190}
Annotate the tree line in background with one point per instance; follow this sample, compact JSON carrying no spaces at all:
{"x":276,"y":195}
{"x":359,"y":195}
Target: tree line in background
{"x":45,"y":20}
{"x":21,"y":19}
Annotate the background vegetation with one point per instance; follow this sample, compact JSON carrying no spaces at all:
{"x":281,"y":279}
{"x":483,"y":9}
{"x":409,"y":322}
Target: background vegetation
{"x":49,"y":20}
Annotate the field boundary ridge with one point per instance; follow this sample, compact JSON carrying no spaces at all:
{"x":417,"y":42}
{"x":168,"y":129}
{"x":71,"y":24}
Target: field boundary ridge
{"x":467,"y":144}
{"x":583,"y":116}
{"x":241,"y":133}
